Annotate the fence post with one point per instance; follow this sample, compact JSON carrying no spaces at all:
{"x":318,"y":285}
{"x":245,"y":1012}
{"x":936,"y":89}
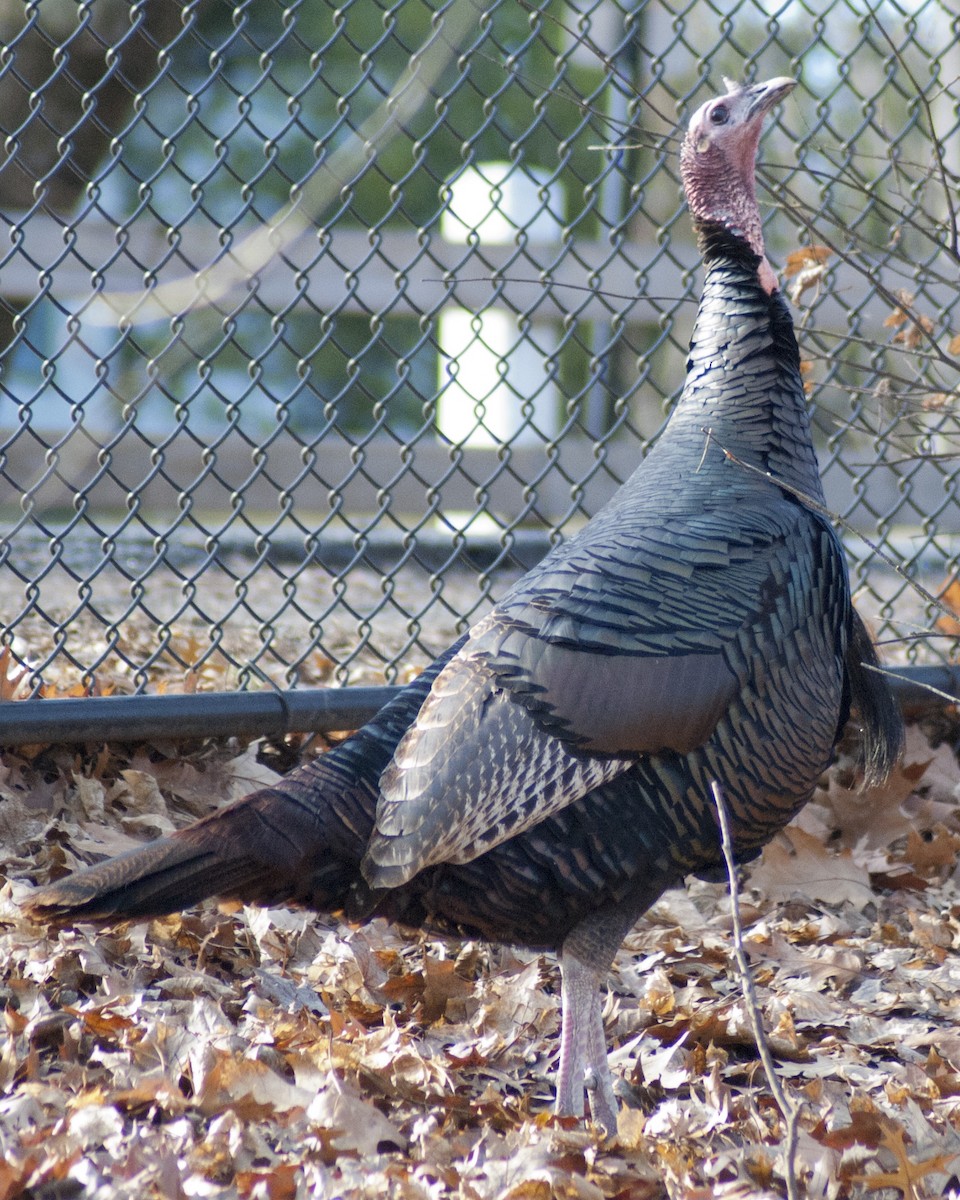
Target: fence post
{"x":496,"y":380}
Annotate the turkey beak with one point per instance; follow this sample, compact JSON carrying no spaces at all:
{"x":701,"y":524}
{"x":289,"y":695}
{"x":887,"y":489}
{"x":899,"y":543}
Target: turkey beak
{"x":764,"y":96}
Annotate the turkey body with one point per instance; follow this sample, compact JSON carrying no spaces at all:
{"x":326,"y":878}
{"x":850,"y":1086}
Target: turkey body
{"x":549,"y":776}
{"x":701,"y":599}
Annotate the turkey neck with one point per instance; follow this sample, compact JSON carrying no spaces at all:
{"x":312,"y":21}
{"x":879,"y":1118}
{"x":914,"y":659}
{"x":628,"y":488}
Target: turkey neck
{"x":743,"y":382}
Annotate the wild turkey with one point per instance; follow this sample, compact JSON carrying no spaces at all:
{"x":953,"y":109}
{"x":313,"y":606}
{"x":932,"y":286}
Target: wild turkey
{"x":550,"y":775}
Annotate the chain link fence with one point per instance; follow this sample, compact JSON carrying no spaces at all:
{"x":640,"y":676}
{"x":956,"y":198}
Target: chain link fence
{"x":320,"y":324}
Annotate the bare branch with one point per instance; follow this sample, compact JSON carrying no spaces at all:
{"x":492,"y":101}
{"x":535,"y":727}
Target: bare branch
{"x":937,"y":149}
{"x":809,"y":502}
{"x":791,"y":1112}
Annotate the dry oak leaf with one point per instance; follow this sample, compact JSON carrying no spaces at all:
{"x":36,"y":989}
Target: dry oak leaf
{"x":806,"y":256}
{"x":912,"y":336}
{"x":796,"y":864}
{"x":907,"y":1174}
{"x":900,"y":314}
{"x":433,"y":988}
{"x":12,"y":674}
{"x":249,"y":1088}
{"x":949,"y":597}
{"x":910,"y":325}
{"x":920,"y":794}
{"x":934,"y":853}
{"x":806,"y":267}
{"x":356,"y":1125}
{"x":280,"y":1182}
{"x":443,"y":986}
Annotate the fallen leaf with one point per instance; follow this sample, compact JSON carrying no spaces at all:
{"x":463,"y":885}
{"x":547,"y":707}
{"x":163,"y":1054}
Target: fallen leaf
{"x":796,"y":864}
{"x":806,"y":256}
{"x":935,"y":852}
{"x":12,"y":675}
{"x":442,"y":985}
{"x":356,"y":1124}
{"x":949,"y":597}
{"x":907,"y":1173}
{"x":248,"y":1087}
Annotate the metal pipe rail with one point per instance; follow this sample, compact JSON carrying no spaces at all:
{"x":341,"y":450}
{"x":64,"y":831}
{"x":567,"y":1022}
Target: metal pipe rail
{"x":275,"y":713}
{"x":197,"y":715}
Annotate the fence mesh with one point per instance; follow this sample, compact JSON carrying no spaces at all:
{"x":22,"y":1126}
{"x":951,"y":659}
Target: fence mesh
{"x":319,"y":323}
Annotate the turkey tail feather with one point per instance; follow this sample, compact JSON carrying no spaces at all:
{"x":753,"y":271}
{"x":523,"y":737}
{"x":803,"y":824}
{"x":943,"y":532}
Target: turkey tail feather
{"x":877,"y":710}
{"x":149,"y":881}
{"x":300,"y":841}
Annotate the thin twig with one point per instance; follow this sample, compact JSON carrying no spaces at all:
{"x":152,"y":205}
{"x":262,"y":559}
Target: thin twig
{"x":912,"y":458}
{"x":809,"y":502}
{"x":789,"y":1110}
{"x":546,"y":280}
{"x":607,"y":62}
{"x":795,"y":208}
{"x":892,"y":673}
{"x":945,"y":182}
{"x":923,"y":356}
{"x":899,"y":215}
{"x":924,"y":635}
{"x":658,"y":141}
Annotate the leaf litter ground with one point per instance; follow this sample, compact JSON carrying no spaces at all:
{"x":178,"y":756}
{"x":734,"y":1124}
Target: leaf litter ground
{"x":275,"y":1054}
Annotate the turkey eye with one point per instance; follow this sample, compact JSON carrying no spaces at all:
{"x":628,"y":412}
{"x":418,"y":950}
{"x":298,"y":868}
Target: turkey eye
{"x":720,"y":115}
